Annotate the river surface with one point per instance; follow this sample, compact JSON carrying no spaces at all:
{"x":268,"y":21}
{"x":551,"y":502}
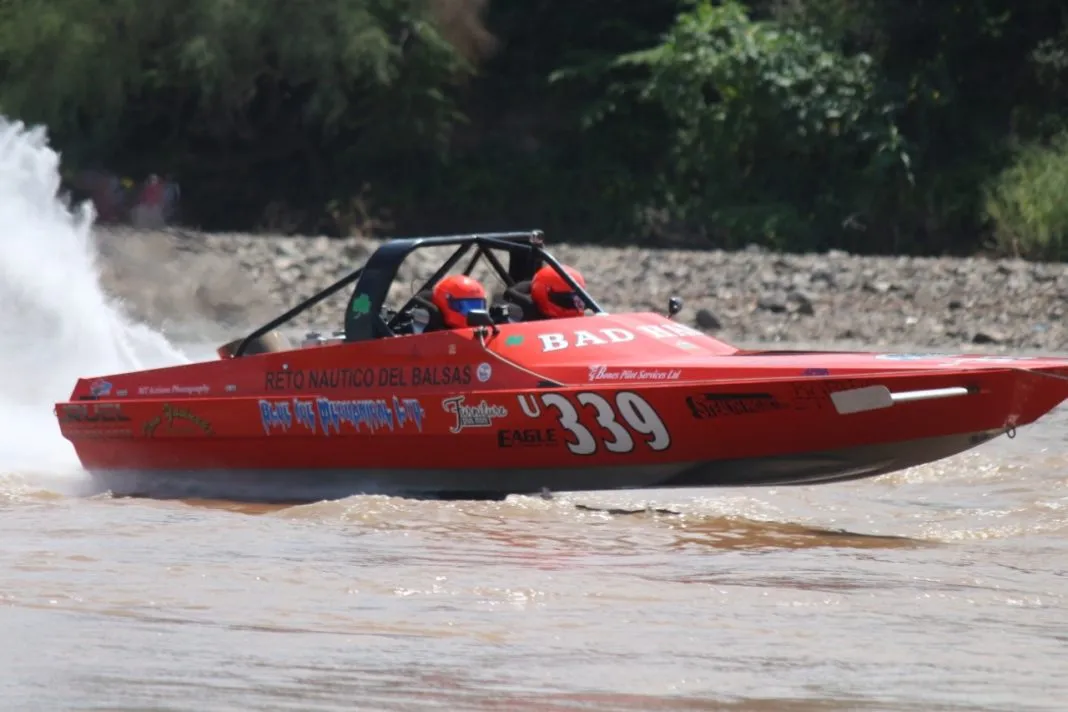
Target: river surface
{"x":939,"y":588}
{"x":943,"y":587}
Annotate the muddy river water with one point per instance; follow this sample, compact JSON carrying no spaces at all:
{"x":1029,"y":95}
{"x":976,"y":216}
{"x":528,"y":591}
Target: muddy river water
{"x":939,"y":588}
{"x":943,"y":587}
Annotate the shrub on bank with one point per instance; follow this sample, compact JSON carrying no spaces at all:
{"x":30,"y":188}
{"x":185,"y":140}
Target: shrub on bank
{"x":1028,"y":202}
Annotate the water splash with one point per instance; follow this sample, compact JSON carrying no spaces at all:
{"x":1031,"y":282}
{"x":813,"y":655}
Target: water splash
{"x":56,"y":322}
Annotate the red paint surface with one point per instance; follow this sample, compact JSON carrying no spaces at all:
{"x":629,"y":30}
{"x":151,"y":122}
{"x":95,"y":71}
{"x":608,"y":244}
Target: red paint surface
{"x":634,"y":389}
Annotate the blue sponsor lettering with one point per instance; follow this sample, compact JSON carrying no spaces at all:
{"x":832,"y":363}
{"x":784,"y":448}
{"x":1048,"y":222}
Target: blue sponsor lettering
{"x":325,"y":414}
{"x":374,"y":414}
{"x":275,"y":414}
{"x":408,"y":409}
{"x":305,"y":412}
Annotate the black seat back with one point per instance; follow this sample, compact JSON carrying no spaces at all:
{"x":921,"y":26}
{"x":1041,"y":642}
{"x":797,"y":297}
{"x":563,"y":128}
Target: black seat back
{"x":519,"y":294}
{"x":425,"y":300}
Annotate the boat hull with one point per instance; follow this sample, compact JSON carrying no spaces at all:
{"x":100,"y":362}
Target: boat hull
{"x":460,"y":414}
{"x":298,"y":486}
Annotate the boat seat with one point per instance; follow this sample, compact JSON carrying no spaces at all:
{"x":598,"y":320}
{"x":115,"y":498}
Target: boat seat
{"x":269,"y":343}
{"x":519,"y":294}
{"x":424,"y":300}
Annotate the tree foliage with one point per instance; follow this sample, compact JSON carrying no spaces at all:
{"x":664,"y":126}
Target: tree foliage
{"x":805,"y":124}
{"x":739,"y":96}
{"x":269,"y":96}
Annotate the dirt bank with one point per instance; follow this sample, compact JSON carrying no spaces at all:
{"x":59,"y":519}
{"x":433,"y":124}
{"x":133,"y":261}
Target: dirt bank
{"x":211,"y":284}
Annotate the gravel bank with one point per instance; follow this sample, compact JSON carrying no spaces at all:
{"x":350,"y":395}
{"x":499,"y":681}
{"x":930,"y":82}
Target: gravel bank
{"x":212,"y":285}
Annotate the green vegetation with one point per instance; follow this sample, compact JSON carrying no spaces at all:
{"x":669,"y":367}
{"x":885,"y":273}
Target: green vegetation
{"x":930,"y":126}
{"x":1028,"y":202}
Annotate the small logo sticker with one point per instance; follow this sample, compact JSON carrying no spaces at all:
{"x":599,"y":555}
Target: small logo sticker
{"x":361,"y":305}
{"x":472,"y":416}
{"x":514,"y":340}
{"x":484,"y":372}
{"x":100,"y":388}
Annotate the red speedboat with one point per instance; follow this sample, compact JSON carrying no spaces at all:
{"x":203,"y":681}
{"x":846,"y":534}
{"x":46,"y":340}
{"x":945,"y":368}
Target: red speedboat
{"x":515,"y":404}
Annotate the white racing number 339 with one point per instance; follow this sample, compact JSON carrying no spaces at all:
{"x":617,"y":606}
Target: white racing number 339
{"x":634,"y":411}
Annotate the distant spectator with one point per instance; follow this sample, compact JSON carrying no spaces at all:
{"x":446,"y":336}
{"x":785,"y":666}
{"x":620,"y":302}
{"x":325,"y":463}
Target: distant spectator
{"x":172,"y":193}
{"x":148,"y":213}
{"x":106,"y":192}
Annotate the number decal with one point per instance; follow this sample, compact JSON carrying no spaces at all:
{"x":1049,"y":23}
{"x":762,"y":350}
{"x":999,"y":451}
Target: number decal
{"x":631,"y":408}
{"x":643,"y":419}
{"x":621,"y":440}
{"x":568,"y":418}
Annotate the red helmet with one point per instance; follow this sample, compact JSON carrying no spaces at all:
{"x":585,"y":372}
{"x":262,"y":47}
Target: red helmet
{"x":553,"y":296}
{"x":455,"y":296}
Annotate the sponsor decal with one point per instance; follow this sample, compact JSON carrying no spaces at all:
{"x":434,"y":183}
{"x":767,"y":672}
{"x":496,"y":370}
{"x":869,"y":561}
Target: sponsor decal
{"x":176,"y":421}
{"x":604,"y":373}
{"x":581,"y":338}
{"x":912,"y":357}
{"x":966,"y":360}
{"x":91,"y":413}
{"x":514,"y":340}
{"x":99,"y":433}
{"x":626,"y":420}
{"x":722,"y":405}
{"x":815,"y":372}
{"x":283,"y":415}
{"x":202,"y":389}
{"x":100,"y":388}
{"x":472,"y":416}
{"x":484,"y":372}
{"x":361,"y":305}
{"x":354,"y":378}
{"x":323,"y":415}
{"x":527,"y":437}
{"x":121,"y":393}
{"x":953,"y":360}
{"x":816,"y":395}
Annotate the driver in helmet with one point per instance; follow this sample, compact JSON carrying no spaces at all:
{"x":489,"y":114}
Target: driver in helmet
{"x":456,"y":296}
{"x":553,"y":297}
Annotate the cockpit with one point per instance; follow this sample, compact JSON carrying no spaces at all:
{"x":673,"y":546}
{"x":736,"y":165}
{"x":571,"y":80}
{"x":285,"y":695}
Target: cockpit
{"x":368,"y":316}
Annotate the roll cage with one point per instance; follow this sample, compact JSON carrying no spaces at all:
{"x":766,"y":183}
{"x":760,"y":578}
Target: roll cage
{"x":365,"y":314}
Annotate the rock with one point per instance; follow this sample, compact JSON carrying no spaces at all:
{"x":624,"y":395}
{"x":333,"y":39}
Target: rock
{"x":987,"y":337}
{"x":878,"y":287}
{"x":773,"y":304}
{"x":800,"y":303}
{"x":822,"y":275}
{"x":219,"y":283}
{"x":707,"y":320}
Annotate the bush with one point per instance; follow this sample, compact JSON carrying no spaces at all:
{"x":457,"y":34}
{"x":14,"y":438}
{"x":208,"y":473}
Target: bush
{"x":1028,"y":202}
{"x":772,"y":136}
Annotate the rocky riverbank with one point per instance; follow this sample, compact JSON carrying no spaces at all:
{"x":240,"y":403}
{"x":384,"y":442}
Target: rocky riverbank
{"x":212,"y":285}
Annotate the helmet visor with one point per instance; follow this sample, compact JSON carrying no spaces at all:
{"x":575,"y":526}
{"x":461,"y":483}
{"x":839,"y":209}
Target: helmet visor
{"x":567,"y":300}
{"x":467,"y":305}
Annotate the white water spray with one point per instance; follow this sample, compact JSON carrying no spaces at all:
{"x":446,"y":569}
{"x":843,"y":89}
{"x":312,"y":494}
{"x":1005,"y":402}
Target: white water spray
{"x":56,"y":322}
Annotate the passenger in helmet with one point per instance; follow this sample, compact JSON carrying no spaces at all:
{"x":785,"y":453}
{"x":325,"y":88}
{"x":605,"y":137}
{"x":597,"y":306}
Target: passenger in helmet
{"x":456,"y":296}
{"x":553,"y":297}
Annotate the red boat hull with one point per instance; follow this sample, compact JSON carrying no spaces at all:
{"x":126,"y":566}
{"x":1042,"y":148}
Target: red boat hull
{"x":472,"y":414}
